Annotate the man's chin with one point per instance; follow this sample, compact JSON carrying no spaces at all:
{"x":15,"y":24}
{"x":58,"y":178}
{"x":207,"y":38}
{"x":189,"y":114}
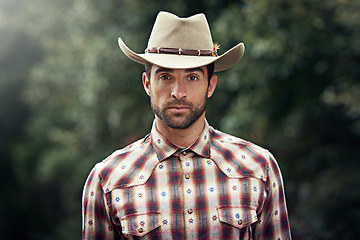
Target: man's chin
{"x":179,"y":120}
{"x":179,"y":123}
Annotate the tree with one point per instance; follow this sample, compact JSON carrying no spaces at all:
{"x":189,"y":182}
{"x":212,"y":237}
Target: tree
{"x":76,"y":98}
{"x":296,"y":92}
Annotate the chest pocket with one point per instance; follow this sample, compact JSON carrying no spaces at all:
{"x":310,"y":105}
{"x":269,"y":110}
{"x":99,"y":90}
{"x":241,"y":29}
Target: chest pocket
{"x":237,"y":216}
{"x":139,"y":224}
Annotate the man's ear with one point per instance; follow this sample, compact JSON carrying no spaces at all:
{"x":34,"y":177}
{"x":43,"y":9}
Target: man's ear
{"x":146,"y":83}
{"x":212,"y":85}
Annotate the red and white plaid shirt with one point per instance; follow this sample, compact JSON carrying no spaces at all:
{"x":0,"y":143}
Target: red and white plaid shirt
{"x":221,"y":187}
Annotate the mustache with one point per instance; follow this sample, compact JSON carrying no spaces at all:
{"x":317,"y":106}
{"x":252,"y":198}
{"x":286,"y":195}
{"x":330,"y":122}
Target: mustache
{"x":182,"y":103}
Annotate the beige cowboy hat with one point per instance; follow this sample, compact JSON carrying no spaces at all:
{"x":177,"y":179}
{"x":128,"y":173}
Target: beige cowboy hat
{"x":180,"y":43}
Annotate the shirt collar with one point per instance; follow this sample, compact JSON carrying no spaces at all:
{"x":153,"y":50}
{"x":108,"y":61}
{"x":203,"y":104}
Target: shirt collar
{"x":164,"y":148}
{"x":202,"y":145}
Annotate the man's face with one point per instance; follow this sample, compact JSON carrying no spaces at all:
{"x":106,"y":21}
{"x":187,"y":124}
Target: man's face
{"x":178,"y":96}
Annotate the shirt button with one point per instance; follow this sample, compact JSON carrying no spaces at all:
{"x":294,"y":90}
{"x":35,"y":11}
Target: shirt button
{"x":190,"y":211}
{"x":184,"y":153}
{"x":240,"y":222}
{"x":187,"y":176}
{"x":140,"y":230}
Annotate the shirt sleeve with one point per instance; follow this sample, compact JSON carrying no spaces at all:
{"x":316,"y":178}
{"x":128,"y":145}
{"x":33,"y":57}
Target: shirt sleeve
{"x":96,"y":221}
{"x":273,"y":220}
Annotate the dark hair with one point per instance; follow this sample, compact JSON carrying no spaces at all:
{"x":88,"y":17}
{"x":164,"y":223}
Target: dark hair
{"x":148,"y":67}
{"x":210,"y":69}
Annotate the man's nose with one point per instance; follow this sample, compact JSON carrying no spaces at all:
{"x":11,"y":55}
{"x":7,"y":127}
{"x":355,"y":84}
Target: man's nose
{"x":179,"y":90}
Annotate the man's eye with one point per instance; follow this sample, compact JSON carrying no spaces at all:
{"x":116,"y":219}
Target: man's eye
{"x":164,"y":77}
{"x":193,"y":78}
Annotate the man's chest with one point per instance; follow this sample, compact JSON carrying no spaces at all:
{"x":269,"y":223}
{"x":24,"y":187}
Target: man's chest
{"x":188,"y":197}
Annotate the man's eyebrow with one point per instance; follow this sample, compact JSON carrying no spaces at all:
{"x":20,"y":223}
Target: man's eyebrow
{"x":164,"y":70}
{"x":194,"y":70}
{"x":188,"y":70}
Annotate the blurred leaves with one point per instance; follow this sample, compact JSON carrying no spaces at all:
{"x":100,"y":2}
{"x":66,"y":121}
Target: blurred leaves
{"x":69,"y":97}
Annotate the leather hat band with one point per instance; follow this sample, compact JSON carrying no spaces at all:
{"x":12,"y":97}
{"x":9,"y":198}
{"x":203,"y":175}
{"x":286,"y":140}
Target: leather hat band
{"x":180,"y":51}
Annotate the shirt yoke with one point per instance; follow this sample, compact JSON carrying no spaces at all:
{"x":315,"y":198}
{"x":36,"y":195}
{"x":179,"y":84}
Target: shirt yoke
{"x":239,"y":158}
{"x":134,"y":164}
{"x":129,"y":166}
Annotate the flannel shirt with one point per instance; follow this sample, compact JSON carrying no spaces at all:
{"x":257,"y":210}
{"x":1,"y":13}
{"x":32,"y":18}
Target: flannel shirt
{"x":221,"y":187}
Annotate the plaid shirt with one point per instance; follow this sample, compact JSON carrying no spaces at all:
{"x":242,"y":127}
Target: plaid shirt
{"x":221,"y":187}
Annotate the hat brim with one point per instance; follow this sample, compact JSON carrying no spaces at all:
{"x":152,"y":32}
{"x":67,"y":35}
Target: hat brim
{"x":173,"y":61}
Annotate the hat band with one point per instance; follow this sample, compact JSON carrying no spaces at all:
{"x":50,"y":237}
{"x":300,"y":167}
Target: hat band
{"x":180,"y":51}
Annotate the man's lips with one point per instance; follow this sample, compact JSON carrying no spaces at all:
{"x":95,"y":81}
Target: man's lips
{"x":178,"y":108}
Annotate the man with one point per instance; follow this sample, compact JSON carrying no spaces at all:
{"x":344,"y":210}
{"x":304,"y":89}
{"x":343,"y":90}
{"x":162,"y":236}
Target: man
{"x":185,"y":180}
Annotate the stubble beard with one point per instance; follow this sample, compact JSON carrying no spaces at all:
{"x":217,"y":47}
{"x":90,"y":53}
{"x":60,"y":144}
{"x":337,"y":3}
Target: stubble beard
{"x":179,"y":120}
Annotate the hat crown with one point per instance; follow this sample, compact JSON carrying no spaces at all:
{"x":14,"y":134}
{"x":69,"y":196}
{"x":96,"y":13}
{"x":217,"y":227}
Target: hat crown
{"x":170,"y":31}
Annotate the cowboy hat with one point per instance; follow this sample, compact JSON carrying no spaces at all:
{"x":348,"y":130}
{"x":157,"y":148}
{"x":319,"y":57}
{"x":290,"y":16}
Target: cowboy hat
{"x":180,"y":43}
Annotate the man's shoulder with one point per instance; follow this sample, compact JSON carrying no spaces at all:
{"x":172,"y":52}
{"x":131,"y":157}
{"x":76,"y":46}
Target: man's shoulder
{"x":228,"y":140}
{"x":238,"y":157}
{"x":126,"y":152}
{"x":126,"y":166}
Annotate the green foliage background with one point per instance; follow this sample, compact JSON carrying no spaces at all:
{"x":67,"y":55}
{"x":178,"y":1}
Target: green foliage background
{"x":69,"y":97}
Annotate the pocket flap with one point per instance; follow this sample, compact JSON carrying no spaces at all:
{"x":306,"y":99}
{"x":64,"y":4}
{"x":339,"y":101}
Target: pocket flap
{"x":139,"y":224}
{"x":237,"y":216}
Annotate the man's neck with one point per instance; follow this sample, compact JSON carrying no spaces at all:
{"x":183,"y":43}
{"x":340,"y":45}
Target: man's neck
{"x":182,"y":137}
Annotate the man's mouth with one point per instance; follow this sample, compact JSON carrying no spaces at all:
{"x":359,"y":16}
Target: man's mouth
{"x":178,"y":108}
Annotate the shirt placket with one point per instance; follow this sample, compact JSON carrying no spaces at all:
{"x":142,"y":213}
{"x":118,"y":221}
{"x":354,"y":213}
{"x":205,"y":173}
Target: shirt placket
{"x":190,"y":219}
